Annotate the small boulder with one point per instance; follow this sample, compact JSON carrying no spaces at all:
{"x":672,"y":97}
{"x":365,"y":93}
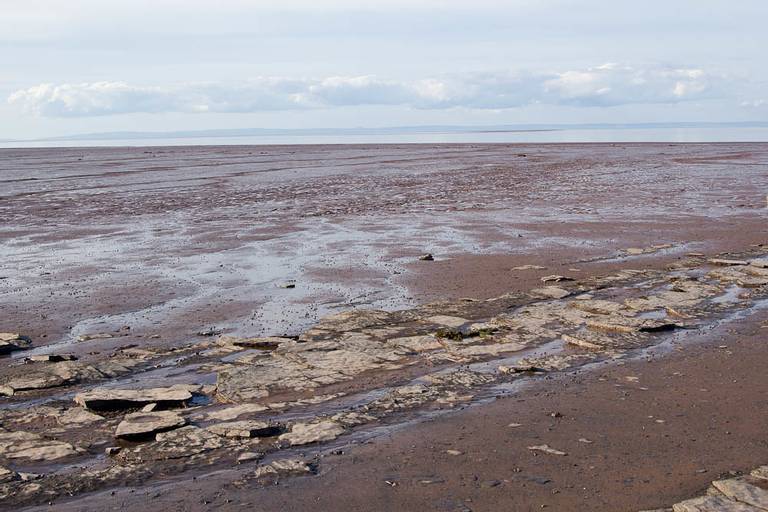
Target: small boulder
{"x":426,"y":257}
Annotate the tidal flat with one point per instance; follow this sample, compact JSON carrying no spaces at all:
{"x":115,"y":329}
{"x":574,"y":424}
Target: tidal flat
{"x":441,"y":327}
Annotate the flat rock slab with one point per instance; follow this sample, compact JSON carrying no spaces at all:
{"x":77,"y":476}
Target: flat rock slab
{"x":231,"y":413}
{"x":636,"y":251}
{"x":245,"y":429}
{"x":582,"y":341}
{"x":267,"y":343}
{"x":550,"y":292}
{"x":448,"y":321}
{"x":26,"y":445}
{"x":115,"y":399}
{"x":628,"y":325}
{"x":32,"y":382}
{"x":544,"y":448}
{"x":64,"y":373}
{"x":740,"y":489}
{"x":95,"y":336}
{"x":598,"y":307}
{"x":555,"y":279}
{"x":744,"y":494}
{"x":305,"y":433}
{"x":141,"y":425}
{"x":51,"y":358}
{"x":726,"y":262}
{"x":348,"y":321}
{"x":712,"y":504}
{"x":184,"y":442}
{"x":7,"y":475}
{"x":78,"y":417}
{"x":752,"y":282}
{"x":285,"y":467}
{"x":10,"y":341}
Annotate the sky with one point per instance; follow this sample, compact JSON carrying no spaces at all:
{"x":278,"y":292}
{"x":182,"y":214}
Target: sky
{"x":85,"y":66}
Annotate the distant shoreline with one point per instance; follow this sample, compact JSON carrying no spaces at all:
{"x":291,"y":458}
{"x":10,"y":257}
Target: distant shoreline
{"x":624,"y":135}
{"x":401,"y":131}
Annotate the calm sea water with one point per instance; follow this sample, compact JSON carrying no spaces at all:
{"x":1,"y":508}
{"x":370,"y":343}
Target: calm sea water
{"x":709,"y":134}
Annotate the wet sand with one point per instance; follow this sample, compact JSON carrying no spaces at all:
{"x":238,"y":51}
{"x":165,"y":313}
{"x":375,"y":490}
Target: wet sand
{"x":173,"y":241}
{"x":182,"y":239}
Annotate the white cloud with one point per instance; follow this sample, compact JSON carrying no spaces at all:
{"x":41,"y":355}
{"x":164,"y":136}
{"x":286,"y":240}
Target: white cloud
{"x":606,"y":85}
{"x":754,"y":103}
{"x":612,"y":84}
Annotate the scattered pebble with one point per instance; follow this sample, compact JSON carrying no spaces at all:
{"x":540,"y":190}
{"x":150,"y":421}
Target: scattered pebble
{"x":546,"y":449}
{"x":529,"y":267}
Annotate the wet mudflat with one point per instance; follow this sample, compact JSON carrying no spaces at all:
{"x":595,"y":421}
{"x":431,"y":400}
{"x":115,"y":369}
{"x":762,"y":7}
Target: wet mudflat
{"x":179,"y":312}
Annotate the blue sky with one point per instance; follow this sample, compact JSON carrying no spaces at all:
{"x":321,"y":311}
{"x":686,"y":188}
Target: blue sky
{"x":87,"y":65}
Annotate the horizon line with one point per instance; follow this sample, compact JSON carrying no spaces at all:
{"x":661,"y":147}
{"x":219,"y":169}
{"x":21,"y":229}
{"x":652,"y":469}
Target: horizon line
{"x":385,"y":130}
